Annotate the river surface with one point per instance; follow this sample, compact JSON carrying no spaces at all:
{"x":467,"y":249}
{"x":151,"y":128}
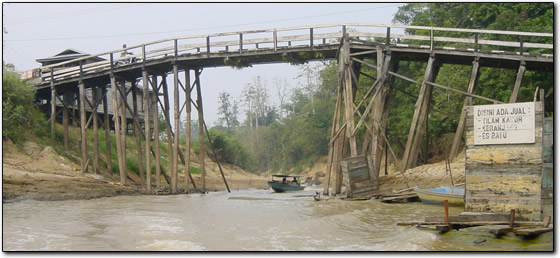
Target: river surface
{"x":250,"y":220}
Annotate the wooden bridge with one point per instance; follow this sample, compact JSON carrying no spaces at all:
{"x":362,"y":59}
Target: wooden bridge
{"x":352,"y":45}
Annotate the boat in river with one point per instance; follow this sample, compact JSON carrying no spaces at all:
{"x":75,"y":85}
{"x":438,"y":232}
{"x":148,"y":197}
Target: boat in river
{"x":285,"y":183}
{"x":454,"y":195}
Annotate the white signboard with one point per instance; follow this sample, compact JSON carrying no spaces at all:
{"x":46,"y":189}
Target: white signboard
{"x":504,"y":124}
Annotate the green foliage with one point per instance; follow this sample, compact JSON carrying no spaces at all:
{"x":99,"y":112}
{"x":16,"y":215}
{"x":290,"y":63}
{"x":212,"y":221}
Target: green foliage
{"x":20,"y":116}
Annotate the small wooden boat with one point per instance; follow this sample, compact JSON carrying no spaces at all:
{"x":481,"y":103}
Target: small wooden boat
{"x":282,"y":183}
{"x":454,"y":195}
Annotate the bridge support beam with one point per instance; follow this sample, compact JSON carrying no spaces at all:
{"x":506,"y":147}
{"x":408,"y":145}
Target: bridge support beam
{"x":107,"y":127}
{"x":517,"y":85}
{"x":200,"y":129}
{"x":187,"y":128}
{"x":462,"y":119}
{"x":137,"y":130}
{"x":147,"y":133}
{"x":420,"y":116}
{"x":84,"y":161}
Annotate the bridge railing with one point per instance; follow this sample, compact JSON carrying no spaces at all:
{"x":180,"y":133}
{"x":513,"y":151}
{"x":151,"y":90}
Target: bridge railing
{"x":295,"y":37}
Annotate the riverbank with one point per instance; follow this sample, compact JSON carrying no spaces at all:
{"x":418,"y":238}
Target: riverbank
{"x":39,"y":173}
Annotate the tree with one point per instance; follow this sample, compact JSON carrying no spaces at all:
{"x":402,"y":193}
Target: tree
{"x":228,"y":111}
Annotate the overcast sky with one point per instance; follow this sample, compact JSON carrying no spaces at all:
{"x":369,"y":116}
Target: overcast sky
{"x":39,"y":30}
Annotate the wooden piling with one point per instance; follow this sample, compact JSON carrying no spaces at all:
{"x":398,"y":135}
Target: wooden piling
{"x":188,"y":128}
{"x":462,"y":119}
{"x":147,"y":135}
{"x":200,"y":130}
{"x":83,"y":126}
{"x":137,"y":131}
{"x":170,"y":149}
{"x":420,"y":114}
{"x":118,"y":136}
{"x":107,"y":128}
{"x":155,"y":112}
{"x":517,"y":85}
{"x":348,"y":97}
{"x":95,"y":129}
{"x":53,"y":106}
{"x":176,"y":115}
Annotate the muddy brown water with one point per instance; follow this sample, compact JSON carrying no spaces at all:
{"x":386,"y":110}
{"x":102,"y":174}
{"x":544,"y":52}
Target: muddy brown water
{"x":249,"y":220}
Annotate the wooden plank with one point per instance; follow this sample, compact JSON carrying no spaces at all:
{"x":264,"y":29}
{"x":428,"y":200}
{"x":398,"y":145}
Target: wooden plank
{"x":531,"y":231}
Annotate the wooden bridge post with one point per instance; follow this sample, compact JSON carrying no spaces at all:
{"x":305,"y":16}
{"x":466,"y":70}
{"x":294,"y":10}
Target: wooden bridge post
{"x":67,"y":98}
{"x":333,"y":146}
{"x":381,"y":110}
{"x":117,"y":125}
{"x":176,"y":116}
{"x":53,"y":106}
{"x":107,"y":128}
{"x":137,"y":131}
{"x":200,"y":129}
{"x":515,"y":91}
{"x":147,"y":134}
{"x":348,"y":97}
{"x":421,"y":110}
{"x":462,"y":119}
{"x":188,"y":128}
{"x":155,"y":112}
{"x":124,"y":123}
{"x":168,"y":126}
{"x":84,"y":164}
{"x":95,"y":103}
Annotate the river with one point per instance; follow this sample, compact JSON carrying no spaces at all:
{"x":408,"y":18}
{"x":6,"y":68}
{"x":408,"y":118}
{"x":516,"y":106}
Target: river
{"x":248,"y":220}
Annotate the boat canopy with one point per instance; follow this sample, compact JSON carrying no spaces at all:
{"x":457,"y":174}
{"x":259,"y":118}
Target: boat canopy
{"x":284,"y":176}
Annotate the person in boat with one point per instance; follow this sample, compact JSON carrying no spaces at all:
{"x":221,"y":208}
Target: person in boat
{"x":284,"y":181}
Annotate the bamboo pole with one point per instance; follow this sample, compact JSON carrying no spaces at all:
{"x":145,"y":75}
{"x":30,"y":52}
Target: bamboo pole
{"x":147,"y":135}
{"x":200,"y":130}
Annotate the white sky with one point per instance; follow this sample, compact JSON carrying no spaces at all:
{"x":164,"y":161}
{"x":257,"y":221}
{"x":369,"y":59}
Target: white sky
{"x":39,"y":30}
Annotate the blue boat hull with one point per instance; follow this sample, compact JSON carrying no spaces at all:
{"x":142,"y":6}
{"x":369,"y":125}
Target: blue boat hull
{"x":454,"y":195}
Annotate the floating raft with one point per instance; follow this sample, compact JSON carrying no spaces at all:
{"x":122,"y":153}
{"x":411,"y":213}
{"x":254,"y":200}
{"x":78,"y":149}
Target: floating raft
{"x":496,"y":223}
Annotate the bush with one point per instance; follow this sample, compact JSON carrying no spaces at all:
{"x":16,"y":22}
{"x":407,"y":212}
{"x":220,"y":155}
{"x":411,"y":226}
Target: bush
{"x":19,"y":114}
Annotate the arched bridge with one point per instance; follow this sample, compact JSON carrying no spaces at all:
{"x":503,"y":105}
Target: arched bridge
{"x":144,"y":68}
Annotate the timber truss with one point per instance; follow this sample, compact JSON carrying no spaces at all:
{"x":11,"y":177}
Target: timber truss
{"x":352,"y":45}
